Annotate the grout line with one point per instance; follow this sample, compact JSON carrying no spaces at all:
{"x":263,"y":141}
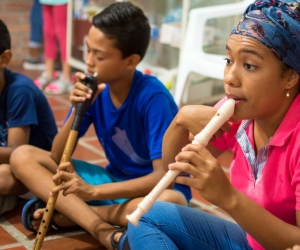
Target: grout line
{"x":29,"y":243}
{"x":64,"y":235}
{"x":83,"y":141}
{"x":10,"y":246}
{"x":98,"y":162}
{"x":92,"y":148}
{"x":22,"y":240}
{"x":90,"y":138}
{"x":15,"y":233}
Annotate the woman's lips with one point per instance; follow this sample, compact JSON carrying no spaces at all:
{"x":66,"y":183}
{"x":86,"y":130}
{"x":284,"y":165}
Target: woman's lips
{"x":237,"y":99}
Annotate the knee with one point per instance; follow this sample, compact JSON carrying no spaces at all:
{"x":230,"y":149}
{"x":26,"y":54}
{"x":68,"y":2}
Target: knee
{"x":158,"y":213}
{"x":20,"y":156}
{"x":173,"y":196}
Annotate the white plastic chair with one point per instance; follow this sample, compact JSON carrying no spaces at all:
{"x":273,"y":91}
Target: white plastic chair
{"x":193,"y":58}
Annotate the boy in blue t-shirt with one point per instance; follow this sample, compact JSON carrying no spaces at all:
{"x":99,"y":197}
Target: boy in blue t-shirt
{"x":25,"y":118}
{"x":130,"y":113}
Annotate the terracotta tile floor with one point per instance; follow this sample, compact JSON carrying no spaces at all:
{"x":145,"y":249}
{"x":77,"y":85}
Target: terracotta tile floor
{"x":14,"y":236}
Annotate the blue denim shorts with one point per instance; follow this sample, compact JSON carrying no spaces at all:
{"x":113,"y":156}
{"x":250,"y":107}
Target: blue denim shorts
{"x":96,"y":175}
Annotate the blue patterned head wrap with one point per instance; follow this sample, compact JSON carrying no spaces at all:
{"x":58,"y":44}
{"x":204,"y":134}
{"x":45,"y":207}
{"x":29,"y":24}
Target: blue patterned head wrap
{"x":276,"y":24}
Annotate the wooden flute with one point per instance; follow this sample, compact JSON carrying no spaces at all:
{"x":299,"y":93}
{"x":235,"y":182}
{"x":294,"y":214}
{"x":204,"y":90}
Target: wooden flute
{"x":222,"y":115}
{"x":80,"y":109}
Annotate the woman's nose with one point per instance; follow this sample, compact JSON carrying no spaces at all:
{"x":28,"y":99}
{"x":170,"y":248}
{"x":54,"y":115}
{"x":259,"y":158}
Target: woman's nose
{"x":231,"y":76}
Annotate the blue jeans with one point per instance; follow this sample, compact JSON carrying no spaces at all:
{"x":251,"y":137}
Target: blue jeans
{"x":170,"y":226}
{"x":36,"y":25}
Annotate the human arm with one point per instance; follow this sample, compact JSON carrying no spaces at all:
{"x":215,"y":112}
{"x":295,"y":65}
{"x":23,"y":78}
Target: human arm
{"x":189,"y":121}
{"x":149,"y":123}
{"x":61,"y":137}
{"x":16,"y":136}
{"x":137,"y":187}
{"x":19,"y":112}
{"x":79,"y":93}
{"x":212,"y":183}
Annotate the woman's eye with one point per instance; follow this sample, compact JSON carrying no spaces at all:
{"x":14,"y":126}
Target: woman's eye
{"x":249,"y":66}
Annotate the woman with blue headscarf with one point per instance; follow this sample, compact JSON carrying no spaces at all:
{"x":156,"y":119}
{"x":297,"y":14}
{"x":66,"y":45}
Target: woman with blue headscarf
{"x":263,"y":195}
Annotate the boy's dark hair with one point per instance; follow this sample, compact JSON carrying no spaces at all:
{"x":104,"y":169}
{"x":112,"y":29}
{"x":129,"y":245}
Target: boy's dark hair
{"x":4,"y":37}
{"x":128,"y":25}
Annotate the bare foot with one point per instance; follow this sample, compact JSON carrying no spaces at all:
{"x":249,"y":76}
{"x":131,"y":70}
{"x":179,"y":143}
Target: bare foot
{"x":37,"y":218}
{"x":57,"y":218}
{"x":117,"y":237}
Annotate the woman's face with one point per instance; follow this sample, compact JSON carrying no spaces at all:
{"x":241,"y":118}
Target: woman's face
{"x":253,"y":76}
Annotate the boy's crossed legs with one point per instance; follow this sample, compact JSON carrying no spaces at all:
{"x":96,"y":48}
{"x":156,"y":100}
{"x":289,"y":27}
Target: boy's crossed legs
{"x":34,"y":168}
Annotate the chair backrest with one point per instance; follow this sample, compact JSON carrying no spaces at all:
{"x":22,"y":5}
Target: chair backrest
{"x":193,"y":58}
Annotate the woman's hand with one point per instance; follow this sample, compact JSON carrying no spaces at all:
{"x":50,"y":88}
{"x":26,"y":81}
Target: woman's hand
{"x":207,"y":176}
{"x":71,"y":183}
{"x":194,"y":118}
{"x":80,"y":92}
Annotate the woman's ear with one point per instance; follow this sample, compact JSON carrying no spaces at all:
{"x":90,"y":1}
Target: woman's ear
{"x":292,"y":78}
{"x":5,"y":58}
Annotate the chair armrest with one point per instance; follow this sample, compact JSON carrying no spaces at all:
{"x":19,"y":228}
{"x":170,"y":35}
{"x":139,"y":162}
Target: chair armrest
{"x":221,"y":10}
{"x":198,"y":18}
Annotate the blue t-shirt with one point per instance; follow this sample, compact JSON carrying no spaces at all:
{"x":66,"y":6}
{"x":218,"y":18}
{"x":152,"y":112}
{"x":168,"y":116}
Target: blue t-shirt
{"x":23,"y":104}
{"x":132,"y":135}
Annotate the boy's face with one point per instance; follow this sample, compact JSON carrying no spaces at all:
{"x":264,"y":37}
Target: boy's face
{"x":104,"y":58}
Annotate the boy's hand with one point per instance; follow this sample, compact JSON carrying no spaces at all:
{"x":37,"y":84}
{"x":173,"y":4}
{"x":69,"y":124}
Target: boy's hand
{"x":71,"y":183}
{"x":80,"y":92}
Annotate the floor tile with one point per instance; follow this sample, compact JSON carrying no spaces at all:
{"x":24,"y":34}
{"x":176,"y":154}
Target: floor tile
{"x":81,"y":241}
{"x":5,"y":237}
{"x":16,"y":248}
{"x":60,"y":115}
{"x":84,"y":153}
{"x":13,"y":217}
{"x":59,"y":101}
